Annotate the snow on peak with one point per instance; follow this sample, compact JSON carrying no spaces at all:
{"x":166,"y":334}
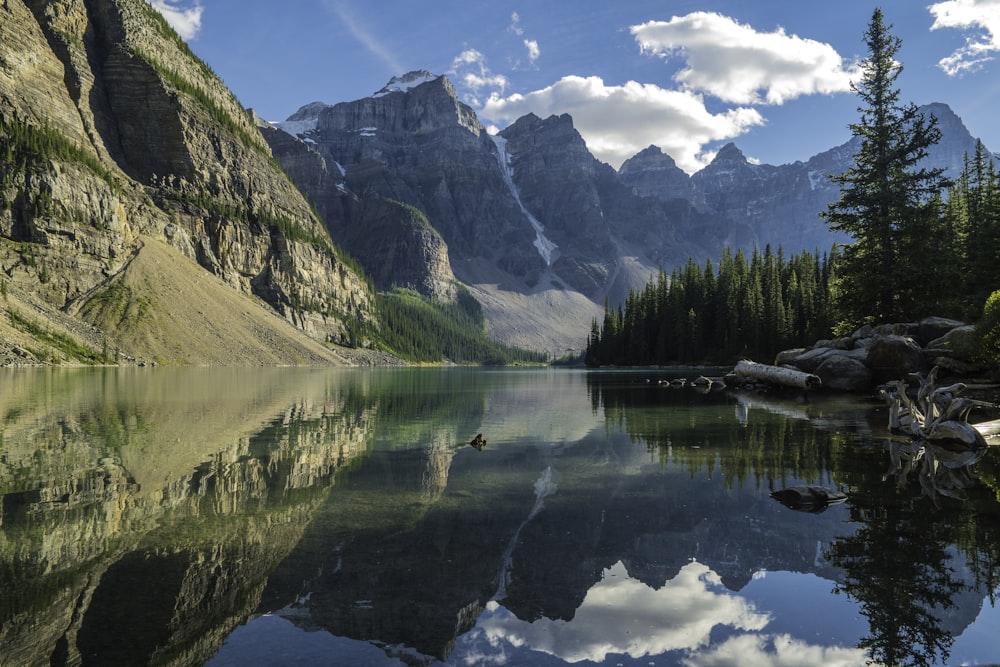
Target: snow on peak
{"x":407,"y":82}
{"x":297,"y":128}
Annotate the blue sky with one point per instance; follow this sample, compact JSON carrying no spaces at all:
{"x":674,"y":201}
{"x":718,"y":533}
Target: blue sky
{"x":771,"y":75}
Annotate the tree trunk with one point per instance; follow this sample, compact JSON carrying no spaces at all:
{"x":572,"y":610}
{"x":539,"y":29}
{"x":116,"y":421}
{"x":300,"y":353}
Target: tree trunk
{"x":788,"y":377}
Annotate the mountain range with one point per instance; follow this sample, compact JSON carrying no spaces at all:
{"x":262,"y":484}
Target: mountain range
{"x":146,"y":216}
{"x":541,"y":231}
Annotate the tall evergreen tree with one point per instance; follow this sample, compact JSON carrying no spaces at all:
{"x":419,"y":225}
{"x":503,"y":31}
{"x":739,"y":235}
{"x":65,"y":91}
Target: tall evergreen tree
{"x":886,"y":199}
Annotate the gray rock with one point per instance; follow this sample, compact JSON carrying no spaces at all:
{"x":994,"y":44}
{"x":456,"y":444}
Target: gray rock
{"x":866,"y":331}
{"x":959,"y":342}
{"x":893,"y":357}
{"x":932,"y":328}
{"x":841,"y":372}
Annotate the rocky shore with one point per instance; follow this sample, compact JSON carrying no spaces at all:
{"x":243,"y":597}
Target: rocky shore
{"x":875,"y":355}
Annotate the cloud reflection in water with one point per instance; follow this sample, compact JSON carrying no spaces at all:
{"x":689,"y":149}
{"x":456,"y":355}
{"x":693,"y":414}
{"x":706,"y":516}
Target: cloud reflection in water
{"x":621,"y":616}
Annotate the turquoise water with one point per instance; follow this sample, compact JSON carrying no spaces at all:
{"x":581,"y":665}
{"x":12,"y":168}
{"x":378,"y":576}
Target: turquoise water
{"x":341,"y":517}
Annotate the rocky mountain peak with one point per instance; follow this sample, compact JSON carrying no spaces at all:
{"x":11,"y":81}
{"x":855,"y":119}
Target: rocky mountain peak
{"x":408,"y":81}
{"x":652,"y":158}
{"x":653,"y":173}
{"x":729,"y":154}
{"x":418,"y":103}
{"x":309,"y":111}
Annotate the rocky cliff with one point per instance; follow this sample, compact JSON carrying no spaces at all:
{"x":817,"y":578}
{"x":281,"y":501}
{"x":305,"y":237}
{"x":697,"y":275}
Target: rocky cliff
{"x":536,"y":227}
{"x":540,"y":230}
{"x":114,"y":138}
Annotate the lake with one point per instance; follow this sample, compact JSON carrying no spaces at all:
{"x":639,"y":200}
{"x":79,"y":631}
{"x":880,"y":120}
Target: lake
{"x":341,"y":517}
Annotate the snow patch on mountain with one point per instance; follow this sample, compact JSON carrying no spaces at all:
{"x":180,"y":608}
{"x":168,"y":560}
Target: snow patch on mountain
{"x":407,"y":82}
{"x":546,"y":248}
{"x":297,"y":128}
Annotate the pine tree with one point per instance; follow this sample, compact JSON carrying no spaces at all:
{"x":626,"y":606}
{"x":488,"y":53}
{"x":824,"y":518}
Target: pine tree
{"x":886,"y":200}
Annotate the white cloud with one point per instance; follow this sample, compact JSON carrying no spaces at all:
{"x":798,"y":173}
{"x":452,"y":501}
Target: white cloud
{"x":515,"y":24}
{"x":619,"y":121}
{"x":737,"y":64}
{"x":186,"y":21}
{"x":474,"y":77}
{"x":980,"y":16}
{"x":533,"y":50}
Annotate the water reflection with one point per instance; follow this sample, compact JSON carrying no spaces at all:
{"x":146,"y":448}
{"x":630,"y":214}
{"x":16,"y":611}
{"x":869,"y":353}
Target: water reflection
{"x":341,"y":517}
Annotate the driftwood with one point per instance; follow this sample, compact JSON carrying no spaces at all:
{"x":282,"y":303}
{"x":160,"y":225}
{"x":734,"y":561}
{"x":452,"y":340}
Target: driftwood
{"x":938,"y":415}
{"x":788,"y":377}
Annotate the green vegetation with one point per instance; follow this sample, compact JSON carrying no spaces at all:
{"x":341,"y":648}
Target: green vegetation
{"x":988,"y":330}
{"x":55,"y":340}
{"x":697,"y":315}
{"x":889,"y":204}
{"x":968,"y":257}
{"x":118,"y":307}
{"x":216,"y":112}
{"x":24,"y":147}
{"x":418,"y":329}
{"x":922,"y":246}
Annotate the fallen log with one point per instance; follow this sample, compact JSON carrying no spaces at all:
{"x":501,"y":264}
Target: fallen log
{"x":788,"y":377}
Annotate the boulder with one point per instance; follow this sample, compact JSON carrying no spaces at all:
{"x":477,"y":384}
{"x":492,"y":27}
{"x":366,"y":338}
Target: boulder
{"x":842,"y":372}
{"x":931,"y":328}
{"x":893,"y":357}
{"x":958,"y":343}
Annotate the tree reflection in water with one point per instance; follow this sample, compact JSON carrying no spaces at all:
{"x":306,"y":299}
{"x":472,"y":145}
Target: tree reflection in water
{"x":900,"y":565}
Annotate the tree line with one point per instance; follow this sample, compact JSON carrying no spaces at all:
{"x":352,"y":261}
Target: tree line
{"x":748,"y":308}
{"x":922,"y":245}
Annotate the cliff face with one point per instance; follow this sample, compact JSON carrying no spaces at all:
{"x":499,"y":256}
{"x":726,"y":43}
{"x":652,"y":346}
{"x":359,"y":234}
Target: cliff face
{"x":115,"y":136}
{"x":538,"y":229}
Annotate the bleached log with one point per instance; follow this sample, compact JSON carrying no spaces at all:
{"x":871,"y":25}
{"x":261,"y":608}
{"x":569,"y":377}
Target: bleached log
{"x":788,"y":377}
{"x":990,"y":429}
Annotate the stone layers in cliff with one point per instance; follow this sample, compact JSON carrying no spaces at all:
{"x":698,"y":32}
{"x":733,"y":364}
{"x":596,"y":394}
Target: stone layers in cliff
{"x":141,"y":143}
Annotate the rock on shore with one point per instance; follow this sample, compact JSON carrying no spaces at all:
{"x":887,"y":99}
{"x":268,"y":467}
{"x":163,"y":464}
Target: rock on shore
{"x":874,"y":355}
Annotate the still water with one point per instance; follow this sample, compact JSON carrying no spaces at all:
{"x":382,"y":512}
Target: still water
{"x":340,"y":517}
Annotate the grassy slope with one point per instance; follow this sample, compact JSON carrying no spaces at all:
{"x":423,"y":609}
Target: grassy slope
{"x":165,"y":308}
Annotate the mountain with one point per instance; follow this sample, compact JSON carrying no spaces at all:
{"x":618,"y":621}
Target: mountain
{"x":539,"y":230}
{"x":779,"y":205}
{"x":142,"y":215}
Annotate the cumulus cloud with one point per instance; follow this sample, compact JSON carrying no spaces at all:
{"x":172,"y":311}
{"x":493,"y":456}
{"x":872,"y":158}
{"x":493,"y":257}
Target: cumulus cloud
{"x":719,"y":58}
{"x":623,"y":616}
{"x":475,"y":77}
{"x":185,"y":20}
{"x":619,"y":121}
{"x":982,"y":17}
{"x":737,"y":64}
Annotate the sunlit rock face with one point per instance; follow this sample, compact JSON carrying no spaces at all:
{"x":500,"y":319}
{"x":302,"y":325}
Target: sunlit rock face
{"x":163,"y":151}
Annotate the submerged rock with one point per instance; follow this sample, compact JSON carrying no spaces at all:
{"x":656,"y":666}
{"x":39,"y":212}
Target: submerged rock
{"x":813,"y":499}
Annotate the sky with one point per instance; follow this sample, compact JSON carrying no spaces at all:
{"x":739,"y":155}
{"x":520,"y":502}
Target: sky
{"x":773,"y":76}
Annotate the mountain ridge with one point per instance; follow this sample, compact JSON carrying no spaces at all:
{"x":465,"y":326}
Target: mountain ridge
{"x":115,"y":137}
{"x":534,"y":213}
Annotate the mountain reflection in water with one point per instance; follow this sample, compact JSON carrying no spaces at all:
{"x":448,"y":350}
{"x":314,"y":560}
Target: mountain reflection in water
{"x":340,"y":517}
